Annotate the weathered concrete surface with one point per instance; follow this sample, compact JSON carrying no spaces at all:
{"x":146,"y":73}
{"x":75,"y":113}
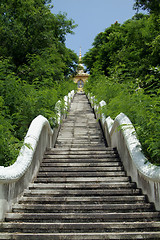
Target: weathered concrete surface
{"x":80,"y":127}
{"x":81,"y":190}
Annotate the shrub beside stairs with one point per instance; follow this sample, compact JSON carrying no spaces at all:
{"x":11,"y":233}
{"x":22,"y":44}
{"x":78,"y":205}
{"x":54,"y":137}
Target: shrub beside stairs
{"x":81,"y":190}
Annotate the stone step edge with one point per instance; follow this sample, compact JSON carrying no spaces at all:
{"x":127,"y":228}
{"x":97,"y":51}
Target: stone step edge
{"x":78,"y":206}
{"x":90,"y":225}
{"x":81,"y":149}
{"x":82,"y":185}
{"x":84,"y":236}
{"x":82,"y":192}
{"x":110,"y":216}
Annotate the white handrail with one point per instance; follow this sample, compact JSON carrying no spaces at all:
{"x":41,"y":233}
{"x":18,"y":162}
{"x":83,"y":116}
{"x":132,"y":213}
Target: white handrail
{"x":121,"y":134}
{"x":15,"y":178}
{"x":134,"y":147}
{"x":17,"y":170}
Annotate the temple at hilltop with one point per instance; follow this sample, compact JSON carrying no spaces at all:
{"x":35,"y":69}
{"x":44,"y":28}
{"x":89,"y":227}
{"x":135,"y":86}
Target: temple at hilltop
{"x":81,"y":77}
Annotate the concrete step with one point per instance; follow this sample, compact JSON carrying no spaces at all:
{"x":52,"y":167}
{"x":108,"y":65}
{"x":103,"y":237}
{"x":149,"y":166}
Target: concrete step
{"x":81,"y":161}
{"x":79,"y":137}
{"x":82,"y":149}
{"x":84,"y":185}
{"x":81,"y":164}
{"x":81,"y":174}
{"x":82,"y":236}
{"x":83,"y":199}
{"x":81,"y":152}
{"x":90,"y":143}
{"x":81,"y":145}
{"x":87,"y":148}
{"x":82,"y":217}
{"x":79,"y":130}
{"x":82,"y":158}
{"x":80,"y":169}
{"x":80,"y":179}
{"x":107,"y":208}
{"x":81,"y":227}
{"x":80,"y":192}
{"x":78,"y":145}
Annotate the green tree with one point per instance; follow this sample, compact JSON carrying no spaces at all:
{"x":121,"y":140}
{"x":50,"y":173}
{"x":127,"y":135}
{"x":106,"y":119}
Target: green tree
{"x":128,"y":51}
{"x":152,"y":6}
{"x":125,"y":72}
{"x":28,"y":26}
{"x":35,"y":66}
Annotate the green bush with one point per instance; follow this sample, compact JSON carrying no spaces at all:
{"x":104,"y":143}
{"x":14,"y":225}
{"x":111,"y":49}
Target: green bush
{"x":34,"y":68}
{"x":143,"y":111}
{"x":9,"y":145}
{"x":20,"y":103}
{"x":124,"y":60}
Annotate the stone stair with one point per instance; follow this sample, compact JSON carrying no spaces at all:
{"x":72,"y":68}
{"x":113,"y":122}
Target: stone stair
{"x":81,"y":191}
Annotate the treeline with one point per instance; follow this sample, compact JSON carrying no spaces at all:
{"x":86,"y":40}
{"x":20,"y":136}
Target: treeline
{"x":35,"y":66}
{"x":125,"y":72}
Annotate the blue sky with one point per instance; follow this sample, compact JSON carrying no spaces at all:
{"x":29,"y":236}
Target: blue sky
{"x":92,"y":17}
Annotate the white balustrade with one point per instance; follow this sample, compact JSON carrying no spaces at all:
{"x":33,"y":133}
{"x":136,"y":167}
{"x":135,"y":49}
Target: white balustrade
{"x":121,"y":134}
{"x":15,"y":178}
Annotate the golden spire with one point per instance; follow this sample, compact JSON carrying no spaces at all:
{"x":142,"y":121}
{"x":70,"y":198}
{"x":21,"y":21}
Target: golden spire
{"x":80,"y":55}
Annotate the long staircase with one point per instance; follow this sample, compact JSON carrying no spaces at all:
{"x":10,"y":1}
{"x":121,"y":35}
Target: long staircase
{"x":82,"y":190}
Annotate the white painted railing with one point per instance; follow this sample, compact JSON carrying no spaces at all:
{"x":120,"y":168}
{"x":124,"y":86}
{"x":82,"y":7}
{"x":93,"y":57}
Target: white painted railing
{"x":15,"y":178}
{"x":120,"y":134}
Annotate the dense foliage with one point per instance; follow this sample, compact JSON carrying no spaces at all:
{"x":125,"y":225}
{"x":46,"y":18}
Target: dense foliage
{"x":152,"y":6}
{"x":34,"y":68}
{"x":142,"y":109}
{"x":125,"y":72}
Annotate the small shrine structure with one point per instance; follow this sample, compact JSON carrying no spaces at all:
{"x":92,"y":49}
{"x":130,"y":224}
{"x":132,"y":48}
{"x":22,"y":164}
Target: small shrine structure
{"x":81,"y":77}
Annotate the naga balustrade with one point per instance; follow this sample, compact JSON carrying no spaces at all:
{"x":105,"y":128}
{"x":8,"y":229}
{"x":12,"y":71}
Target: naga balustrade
{"x":15,"y":178}
{"x":121,"y":134}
